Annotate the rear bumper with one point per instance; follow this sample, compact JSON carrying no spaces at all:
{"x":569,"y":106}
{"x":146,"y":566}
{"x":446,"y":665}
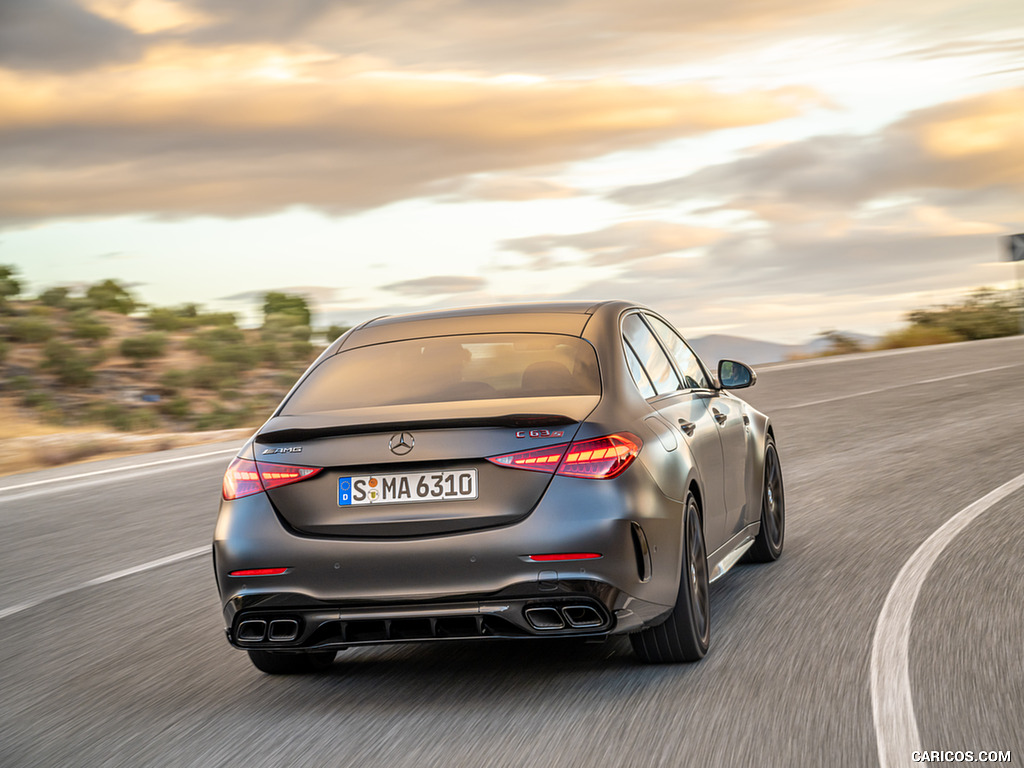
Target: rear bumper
{"x":580,"y":609}
{"x":341,"y":592}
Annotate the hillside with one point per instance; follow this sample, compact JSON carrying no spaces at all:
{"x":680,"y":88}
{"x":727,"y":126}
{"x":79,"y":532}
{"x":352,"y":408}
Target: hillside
{"x":77,"y":366}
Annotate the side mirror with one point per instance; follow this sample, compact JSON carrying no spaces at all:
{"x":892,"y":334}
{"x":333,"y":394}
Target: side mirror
{"x":735,"y":375}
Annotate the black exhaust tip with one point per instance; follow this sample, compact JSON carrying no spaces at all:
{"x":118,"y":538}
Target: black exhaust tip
{"x":544,"y":618}
{"x":283,"y":630}
{"x":252,"y":631}
{"x":580,"y":616}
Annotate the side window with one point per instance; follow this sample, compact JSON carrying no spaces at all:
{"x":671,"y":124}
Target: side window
{"x":686,"y":361}
{"x":650,"y":354}
{"x":643,"y":382}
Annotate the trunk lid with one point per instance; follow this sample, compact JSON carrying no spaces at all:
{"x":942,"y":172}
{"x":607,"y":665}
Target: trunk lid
{"x":443,"y":443}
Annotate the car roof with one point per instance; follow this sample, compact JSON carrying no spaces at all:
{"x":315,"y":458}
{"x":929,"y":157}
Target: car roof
{"x":561,"y":317}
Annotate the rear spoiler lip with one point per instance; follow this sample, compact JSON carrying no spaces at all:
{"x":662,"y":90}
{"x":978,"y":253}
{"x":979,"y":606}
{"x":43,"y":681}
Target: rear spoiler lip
{"x":526,"y":420}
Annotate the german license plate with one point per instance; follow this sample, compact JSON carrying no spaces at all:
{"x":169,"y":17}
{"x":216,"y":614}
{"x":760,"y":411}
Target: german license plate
{"x":456,"y":485}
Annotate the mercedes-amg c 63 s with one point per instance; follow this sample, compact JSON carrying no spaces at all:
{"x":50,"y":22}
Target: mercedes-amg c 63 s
{"x":519,"y":471}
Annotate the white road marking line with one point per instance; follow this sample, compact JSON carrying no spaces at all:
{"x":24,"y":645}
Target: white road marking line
{"x":128,"y":468}
{"x":5,"y":612}
{"x":892,"y":704}
{"x":894,"y":386}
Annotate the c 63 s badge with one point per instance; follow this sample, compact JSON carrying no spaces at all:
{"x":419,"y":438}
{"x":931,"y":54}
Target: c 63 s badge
{"x":291,"y":449}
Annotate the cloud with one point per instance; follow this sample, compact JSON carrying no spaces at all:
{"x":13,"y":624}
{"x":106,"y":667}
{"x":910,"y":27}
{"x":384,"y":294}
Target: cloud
{"x":437,"y":285}
{"x":592,"y":36}
{"x":507,"y":188}
{"x":623,"y":242}
{"x":61,"y":36}
{"x":961,"y":146}
{"x":249,"y":132}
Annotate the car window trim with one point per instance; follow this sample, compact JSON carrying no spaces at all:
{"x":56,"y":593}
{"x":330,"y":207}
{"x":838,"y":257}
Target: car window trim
{"x":671,"y":363}
{"x":671,"y":359}
{"x":627,"y":348}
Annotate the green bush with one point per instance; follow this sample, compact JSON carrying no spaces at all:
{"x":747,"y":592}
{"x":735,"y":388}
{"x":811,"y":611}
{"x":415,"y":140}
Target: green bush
{"x":113,"y":415}
{"x":85,"y":325}
{"x":213,"y":376}
{"x":55,"y":297}
{"x":36,"y":398}
{"x":20,"y":384}
{"x":10,"y":286}
{"x":917,"y":336}
{"x":163,"y":319}
{"x":301,"y":351}
{"x":334,"y":331}
{"x":145,"y":347}
{"x":222,"y":418}
{"x":217,"y":318}
{"x":72,"y":368}
{"x":113,"y":296}
{"x":270,"y":353}
{"x":30,"y":330}
{"x":985,"y":314}
{"x":287,"y":304}
{"x":174,"y":381}
{"x":4,"y":349}
{"x":178,"y":408}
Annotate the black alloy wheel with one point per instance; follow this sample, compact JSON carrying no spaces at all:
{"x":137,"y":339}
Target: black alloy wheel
{"x":686,"y":634}
{"x":768,"y":544}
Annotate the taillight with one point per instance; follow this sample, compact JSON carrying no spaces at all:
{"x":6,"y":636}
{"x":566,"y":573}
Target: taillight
{"x":538,"y":460}
{"x":245,"y":477}
{"x":600,"y":458}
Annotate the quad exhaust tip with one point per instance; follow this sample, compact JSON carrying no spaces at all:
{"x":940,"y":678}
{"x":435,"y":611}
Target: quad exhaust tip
{"x":546,"y":618}
{"x":580,"y":616}
{"x":276,"y":631}
{"x":283,"y":630}
{"x":252,"y":631}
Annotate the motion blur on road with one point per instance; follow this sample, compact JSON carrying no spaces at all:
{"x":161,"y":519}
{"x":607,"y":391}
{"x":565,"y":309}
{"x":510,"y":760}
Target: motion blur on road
{"x":106,"y":662}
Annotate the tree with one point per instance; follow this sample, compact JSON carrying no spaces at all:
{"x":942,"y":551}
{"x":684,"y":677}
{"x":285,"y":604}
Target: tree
{"x":840,"y":343}
{"x":113,"y":296}
{"x":290,"y":305}
{"x":55,"y":297}
{"x":10,"y":286}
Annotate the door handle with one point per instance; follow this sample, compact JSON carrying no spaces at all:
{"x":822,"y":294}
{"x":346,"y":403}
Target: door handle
{"x":719,"y":416}
{"x":687,"y":427}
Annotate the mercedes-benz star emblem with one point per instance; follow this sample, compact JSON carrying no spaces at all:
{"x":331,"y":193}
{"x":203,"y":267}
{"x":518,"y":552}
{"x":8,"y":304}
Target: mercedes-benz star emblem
{"x":401,"y":443}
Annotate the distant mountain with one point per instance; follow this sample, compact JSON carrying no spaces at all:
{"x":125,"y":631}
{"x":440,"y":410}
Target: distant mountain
{"x":821,"y":344}
{"x":717,"y":347}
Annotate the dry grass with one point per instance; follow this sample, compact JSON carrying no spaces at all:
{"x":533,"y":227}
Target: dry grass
{"x":41,"y":447}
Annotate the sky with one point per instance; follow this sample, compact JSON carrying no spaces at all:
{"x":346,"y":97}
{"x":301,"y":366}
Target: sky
{"x":762,"y":168}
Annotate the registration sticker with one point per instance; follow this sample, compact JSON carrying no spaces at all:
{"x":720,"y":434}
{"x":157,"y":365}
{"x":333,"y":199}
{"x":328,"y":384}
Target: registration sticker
{"x":455,"y":485}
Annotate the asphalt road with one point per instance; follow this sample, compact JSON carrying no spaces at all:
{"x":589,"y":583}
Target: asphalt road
{"x":99,"y":666}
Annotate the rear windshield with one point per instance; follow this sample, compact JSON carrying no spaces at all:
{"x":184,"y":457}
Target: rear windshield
{"x":450,"y":368}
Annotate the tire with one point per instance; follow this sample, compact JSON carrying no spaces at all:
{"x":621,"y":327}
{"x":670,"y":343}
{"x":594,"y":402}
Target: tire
{"x":686,"y":634}
{"x":768,"y":545}
{"x":278,"y":663}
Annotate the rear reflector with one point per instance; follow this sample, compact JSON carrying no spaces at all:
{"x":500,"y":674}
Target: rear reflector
{"x":565,"y":556}
{"x":245,"y":477}
{"x":259,"y":572}
{"x":600,"y":458}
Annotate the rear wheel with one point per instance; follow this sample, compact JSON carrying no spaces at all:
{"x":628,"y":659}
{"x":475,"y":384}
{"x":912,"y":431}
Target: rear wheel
{"x":768,"y":544}
{"x":686,"y":633}
{"x":277,"y":663}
